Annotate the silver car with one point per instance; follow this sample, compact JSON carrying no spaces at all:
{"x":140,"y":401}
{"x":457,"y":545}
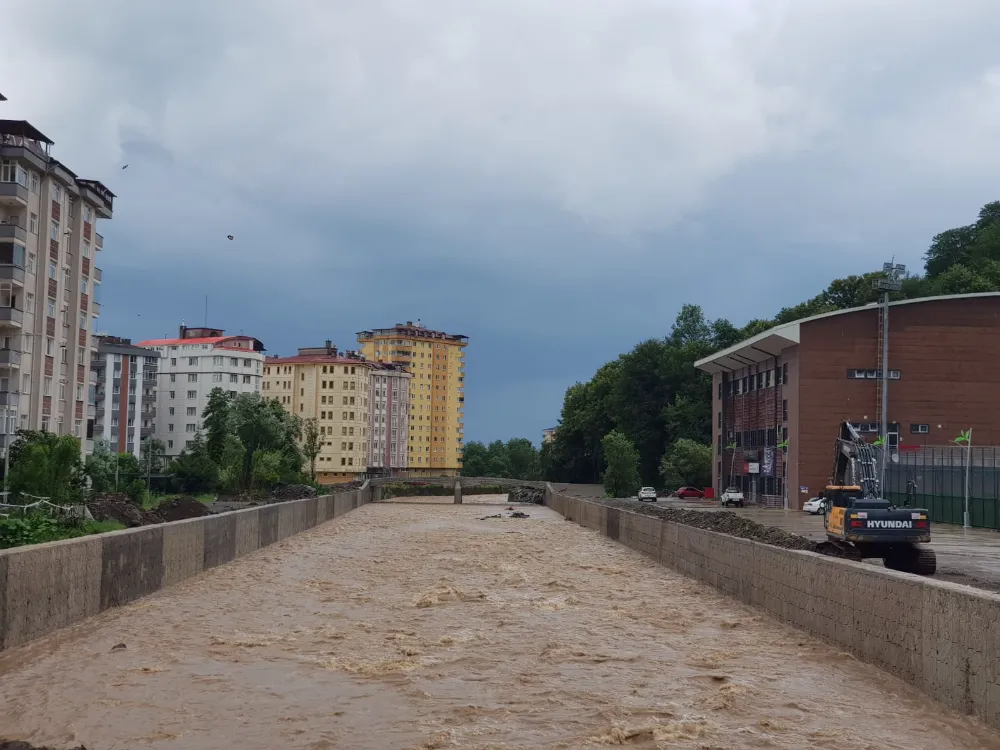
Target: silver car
{"x":647,"y":494}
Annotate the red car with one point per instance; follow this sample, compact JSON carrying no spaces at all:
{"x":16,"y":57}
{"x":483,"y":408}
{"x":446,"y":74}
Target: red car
{"x":685,"y":492}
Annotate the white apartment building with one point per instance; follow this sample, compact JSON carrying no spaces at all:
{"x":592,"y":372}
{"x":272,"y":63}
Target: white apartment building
{"x":124,"y":393}
{"x":390,"y":419}
{"x":191,"y":366}
{"x":48,"y":286}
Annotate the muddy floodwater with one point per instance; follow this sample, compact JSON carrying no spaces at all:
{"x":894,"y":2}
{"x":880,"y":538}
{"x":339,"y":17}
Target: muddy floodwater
{"x":416,"y":626}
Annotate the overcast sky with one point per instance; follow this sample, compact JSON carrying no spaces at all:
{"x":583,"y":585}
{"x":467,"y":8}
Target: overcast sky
{"x":552,"y":178}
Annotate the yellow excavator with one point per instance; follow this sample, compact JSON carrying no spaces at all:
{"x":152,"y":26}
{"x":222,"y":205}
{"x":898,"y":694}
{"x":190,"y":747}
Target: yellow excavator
{"x":860,"y":523}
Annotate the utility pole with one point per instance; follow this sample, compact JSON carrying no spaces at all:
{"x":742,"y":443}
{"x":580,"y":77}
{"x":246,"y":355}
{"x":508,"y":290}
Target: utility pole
{"x":889,"y":282}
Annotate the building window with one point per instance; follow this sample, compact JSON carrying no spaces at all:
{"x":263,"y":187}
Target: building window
{"x":192,"y":377}
{"x":191,"y":394}
{"x":190,"y":427}
{"x":784,"y":374}
{"x":192,"y":411}
{"x":170,"y":428}
{"x":192,"y":361}
{"x":919,"y":429}
{"x":170,"y":410}
{"x":54,"y":231}
{"x":784,"y":410}
{"x":170,"y":444}
{"x":233,"y":362}
{"x":83,"y":322}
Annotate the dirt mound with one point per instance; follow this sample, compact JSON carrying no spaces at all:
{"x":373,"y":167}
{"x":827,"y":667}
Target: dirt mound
{"x":722,"y":521}
{"x":179,"y":508}
{"x":15,"y":745}
{"x":526,"y":495}
{"x":117,"y":507}
{"x":293,"y":492}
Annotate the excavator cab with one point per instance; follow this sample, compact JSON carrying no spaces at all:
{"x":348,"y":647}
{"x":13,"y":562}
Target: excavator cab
{"x":860,"y":523}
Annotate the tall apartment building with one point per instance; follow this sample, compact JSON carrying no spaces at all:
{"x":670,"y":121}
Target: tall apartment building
{"x":48,"y":285}
{"x":334,"y":389}
{"x":390,"y":419}
{"x":124,"y":393}
{"x":437,"y":391}
{"x":191,"y":365}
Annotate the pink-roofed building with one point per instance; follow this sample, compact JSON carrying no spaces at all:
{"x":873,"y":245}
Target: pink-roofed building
{"x":191,"y":365}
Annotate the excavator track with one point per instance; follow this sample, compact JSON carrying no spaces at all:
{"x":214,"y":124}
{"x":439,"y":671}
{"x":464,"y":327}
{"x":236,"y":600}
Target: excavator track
{"x":921,"y":561}
{"x":843,"y":550}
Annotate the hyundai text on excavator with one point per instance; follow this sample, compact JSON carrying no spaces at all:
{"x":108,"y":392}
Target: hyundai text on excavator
{"x":860,"y":523}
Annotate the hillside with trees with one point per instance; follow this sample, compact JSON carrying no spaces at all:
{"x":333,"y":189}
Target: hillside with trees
{"x":657,"y":401}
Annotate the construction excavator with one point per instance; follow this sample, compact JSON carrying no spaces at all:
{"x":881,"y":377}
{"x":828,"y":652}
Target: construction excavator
{"x":860,"y":523}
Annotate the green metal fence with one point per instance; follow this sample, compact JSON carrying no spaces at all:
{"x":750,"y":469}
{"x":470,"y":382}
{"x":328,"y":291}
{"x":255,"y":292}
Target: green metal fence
{"x":939,"y":475}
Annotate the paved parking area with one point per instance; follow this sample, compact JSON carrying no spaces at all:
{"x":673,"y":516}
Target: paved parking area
{"x":964,"y":556}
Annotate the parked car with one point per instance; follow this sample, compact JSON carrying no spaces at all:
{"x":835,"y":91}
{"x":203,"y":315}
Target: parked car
{"x":647,"y":494}
{"x":813,"y":505}
{"x":685,"y":492}
{"x":732,"y":496}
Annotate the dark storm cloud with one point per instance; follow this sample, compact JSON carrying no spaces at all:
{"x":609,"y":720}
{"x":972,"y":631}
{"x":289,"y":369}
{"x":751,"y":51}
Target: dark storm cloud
{"x":553,"y":179}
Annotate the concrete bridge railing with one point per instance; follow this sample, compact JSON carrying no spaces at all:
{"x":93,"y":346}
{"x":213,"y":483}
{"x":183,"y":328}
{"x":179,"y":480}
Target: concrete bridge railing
{"x":456,"y":483}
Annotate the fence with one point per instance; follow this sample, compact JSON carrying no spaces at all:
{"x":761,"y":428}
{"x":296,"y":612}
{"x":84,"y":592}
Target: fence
{"x":939,"y":474}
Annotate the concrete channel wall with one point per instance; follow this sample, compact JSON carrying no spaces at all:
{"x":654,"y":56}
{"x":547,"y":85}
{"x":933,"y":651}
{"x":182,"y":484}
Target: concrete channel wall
{"x":941,"y":637}
{"x":44,"y":587}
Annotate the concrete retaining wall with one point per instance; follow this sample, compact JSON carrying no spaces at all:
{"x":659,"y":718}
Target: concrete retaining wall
{"x":45,"y":587}
{"x":941,"y":637}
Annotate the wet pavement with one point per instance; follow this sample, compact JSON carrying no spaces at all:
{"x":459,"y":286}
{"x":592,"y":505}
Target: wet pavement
{"x":415,"y":626}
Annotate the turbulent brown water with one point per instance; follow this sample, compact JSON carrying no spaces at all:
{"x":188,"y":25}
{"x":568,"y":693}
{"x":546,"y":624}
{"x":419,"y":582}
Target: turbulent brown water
{"x":416,"y":626}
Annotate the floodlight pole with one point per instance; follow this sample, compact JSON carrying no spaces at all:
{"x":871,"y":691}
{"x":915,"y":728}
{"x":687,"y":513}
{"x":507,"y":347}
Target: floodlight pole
{"x":890,"y":281}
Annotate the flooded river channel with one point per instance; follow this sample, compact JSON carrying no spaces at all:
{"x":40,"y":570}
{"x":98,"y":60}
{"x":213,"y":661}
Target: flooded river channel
{"x":421,"y":626}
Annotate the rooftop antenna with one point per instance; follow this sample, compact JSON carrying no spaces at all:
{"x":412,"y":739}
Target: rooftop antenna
{"x":206,"y":311}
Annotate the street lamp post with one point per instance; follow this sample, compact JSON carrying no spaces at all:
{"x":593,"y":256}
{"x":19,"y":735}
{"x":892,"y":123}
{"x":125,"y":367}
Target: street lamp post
{"x":890,"y":281}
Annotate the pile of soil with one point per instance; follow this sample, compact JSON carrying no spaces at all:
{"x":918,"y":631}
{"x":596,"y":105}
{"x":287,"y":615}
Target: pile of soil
{"x":179,"y":508}
{"x":15,"y":745}
{"x":721,"y":521}
{"x":526,"y":495}
{"x":293,"y":492}
{"x":117,"y":507}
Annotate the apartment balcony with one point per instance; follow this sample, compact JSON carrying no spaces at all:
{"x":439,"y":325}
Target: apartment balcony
{"x":11,"y":317}
{"x":145,"y":432}
{"x":10,"y":358}
{"x":13,"y":232}
{"x":91,"y":411}
{"x":98,"y":273}
{"x":98,"y":242}
{"x":12,"y":194}
{"x":8,"y":399}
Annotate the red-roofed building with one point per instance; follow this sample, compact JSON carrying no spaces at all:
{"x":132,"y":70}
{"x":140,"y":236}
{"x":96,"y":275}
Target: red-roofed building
{"x":191,"y":365}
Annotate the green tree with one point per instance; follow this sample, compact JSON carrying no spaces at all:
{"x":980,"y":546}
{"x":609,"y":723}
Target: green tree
{"x":100,"y":468}
{"x":311,"y":445}
{"x":216,"y":422}
{"x":193,"y":470}
{"x":267,"y":469}
{"x":621,"y":475}
{"x":44,"y":464}
{"x":475,"y":461}
{"x":522,"y":459}
{"x":686,"y":463}
{"x":152,"y":455}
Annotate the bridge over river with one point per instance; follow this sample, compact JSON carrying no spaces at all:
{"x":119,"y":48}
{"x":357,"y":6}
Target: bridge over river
{"x":409,"y":626}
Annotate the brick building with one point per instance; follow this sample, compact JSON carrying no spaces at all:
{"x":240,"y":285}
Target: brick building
{"x":797,"y":381}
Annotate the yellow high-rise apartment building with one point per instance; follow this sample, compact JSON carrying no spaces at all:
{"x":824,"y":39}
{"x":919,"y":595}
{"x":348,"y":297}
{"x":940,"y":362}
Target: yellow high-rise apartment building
{"x":332,"y":388}
{"x":437,"y":391}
